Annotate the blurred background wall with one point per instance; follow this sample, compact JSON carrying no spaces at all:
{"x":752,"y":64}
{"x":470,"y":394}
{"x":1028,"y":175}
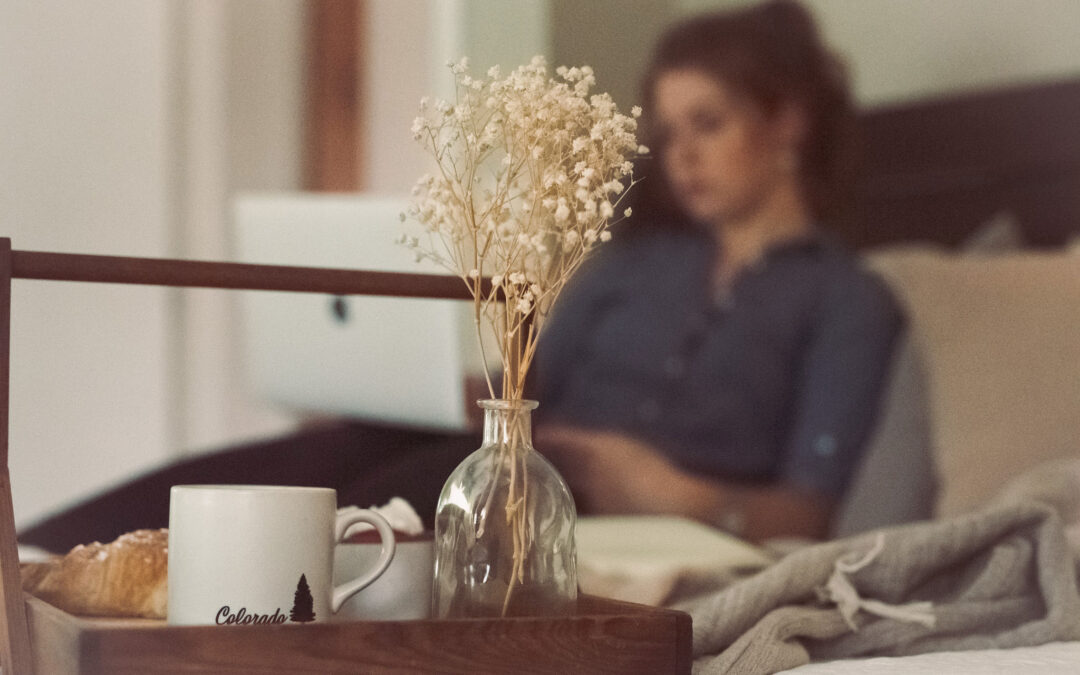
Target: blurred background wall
{"x":126,"y":128}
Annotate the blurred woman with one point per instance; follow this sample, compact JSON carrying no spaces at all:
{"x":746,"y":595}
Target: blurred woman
{"x":725,"y":362}
{"x":722,"y":363}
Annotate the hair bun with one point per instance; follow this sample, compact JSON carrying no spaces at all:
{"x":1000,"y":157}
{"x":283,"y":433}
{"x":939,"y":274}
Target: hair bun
{"x":791,"y":18}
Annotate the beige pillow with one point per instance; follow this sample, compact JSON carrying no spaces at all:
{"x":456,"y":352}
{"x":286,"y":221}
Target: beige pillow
{"x":1000,"y":339}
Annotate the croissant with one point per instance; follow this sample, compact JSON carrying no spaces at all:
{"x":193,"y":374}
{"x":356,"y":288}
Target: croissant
{"x":124,"y":578}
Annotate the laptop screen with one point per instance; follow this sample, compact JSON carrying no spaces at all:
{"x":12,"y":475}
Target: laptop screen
{"x":399,"y":361}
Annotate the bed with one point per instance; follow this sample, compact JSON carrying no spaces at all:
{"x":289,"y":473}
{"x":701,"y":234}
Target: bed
{"x":969,"y":205}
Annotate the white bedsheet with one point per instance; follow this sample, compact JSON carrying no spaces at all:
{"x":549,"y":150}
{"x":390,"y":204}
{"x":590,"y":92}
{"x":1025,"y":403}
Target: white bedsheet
{"x":1055,"y":658}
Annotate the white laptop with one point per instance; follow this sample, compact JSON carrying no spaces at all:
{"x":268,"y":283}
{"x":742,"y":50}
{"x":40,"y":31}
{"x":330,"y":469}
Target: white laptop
{"x":400,"y":361}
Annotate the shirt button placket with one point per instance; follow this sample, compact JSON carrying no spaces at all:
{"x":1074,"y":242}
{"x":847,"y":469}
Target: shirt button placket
{"x":724,"y":301}
{"x":675,"y":367}
{"x":825,"y":446}
{"x":649,"y":410}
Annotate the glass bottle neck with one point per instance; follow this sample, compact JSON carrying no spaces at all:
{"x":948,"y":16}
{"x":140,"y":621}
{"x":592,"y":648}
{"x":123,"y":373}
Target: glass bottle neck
{"x":508,"y":422}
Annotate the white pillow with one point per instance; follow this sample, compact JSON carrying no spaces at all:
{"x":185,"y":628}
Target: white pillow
{"x":1000,"y":339}
{"x":896,"y":481}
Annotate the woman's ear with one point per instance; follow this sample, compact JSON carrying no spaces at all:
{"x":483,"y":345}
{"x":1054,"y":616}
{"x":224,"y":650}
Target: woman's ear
{"x":790,"y":125}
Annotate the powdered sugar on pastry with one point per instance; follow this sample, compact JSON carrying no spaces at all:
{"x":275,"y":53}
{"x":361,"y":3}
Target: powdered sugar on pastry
{"x":127,"y":577}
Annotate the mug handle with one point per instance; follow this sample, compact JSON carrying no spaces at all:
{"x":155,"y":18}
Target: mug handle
{"x":348,"y":589}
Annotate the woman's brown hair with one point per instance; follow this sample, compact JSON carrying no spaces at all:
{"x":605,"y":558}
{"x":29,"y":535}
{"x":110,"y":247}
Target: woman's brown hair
{"x":772,"y":54}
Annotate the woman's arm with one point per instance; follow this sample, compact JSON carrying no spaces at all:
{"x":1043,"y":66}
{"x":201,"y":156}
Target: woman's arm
{"x":837,"y":396}
{"x":610,"y":472}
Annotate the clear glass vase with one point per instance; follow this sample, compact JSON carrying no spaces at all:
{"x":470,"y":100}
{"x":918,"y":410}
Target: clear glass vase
{"x":504,"y":527}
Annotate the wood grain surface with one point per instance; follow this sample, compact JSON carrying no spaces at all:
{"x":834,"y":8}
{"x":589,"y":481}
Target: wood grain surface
{"x":604,"y":637}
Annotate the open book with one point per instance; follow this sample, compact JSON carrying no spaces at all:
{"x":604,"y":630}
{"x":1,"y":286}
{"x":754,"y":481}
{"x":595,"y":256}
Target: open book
{"x":655,"y":559}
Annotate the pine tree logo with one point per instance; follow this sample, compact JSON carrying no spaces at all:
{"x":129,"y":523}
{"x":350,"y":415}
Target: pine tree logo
{"x":303,"y":609}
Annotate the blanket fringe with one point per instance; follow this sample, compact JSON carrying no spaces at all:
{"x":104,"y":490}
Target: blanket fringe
{"x":839,"y":590}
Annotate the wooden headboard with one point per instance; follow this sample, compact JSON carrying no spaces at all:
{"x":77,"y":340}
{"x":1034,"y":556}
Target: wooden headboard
{"x":935,"y":170}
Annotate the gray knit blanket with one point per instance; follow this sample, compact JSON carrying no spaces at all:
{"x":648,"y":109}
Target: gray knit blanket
{"x":1002,"y":577}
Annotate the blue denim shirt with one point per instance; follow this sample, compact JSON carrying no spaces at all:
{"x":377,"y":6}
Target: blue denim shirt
{"x":776,"y":381}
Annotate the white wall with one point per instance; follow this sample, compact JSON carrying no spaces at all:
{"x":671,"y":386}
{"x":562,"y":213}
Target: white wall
{"x":85,"y":109}
{"x":397,"y":60}
{"x":909,"y":49}
{"x":905,"y":49}
{"x":410,"y":44}
{"x":241,"y":128}
{"x":126,"y":129}
{"x":615,"y":37}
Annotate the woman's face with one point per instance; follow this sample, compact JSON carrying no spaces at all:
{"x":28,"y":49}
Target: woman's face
{"x":722,"y":155}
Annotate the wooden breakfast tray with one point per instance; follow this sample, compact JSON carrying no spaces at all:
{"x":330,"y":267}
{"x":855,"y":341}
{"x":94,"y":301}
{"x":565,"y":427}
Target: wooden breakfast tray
{"x":605,"y":636}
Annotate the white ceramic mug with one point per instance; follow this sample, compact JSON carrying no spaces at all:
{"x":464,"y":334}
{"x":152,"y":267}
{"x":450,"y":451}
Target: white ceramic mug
{"x":260,"y":554}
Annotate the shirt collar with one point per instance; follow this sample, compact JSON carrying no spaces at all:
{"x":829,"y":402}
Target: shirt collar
{"x":810,"y":242}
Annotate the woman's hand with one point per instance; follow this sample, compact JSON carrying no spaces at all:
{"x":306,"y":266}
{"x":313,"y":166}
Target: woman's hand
{"x":610,"y":472}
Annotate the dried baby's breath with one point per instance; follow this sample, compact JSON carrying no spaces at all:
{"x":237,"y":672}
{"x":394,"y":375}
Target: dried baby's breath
{"x":530,"y":171}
